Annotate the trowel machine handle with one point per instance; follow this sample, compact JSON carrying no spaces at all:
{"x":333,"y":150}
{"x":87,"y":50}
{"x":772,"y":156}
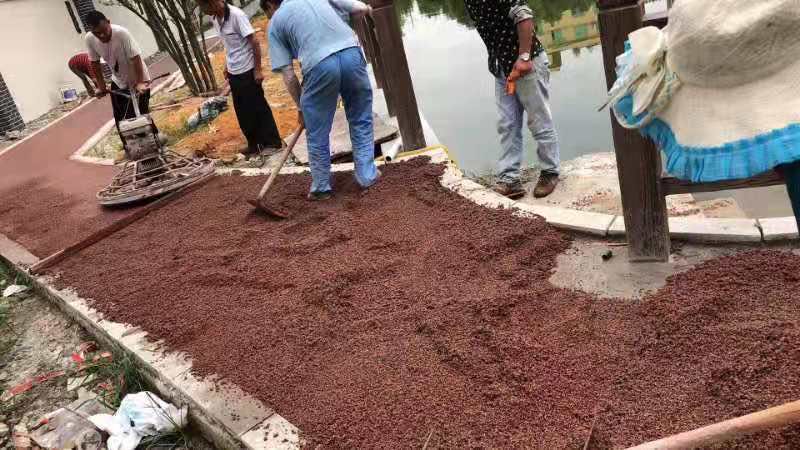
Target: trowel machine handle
{"x":133,"y":96}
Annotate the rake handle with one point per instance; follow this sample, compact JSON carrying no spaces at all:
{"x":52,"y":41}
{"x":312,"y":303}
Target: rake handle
{"x":273,"y":174}
{"x":777,"y":416}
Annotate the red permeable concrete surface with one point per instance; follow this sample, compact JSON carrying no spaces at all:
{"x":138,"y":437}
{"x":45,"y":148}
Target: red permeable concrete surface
{"x":47,"y":201}
{"x":378,"y":319}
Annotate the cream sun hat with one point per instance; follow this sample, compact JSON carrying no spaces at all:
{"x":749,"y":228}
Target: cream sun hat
{"x":718,"y":89}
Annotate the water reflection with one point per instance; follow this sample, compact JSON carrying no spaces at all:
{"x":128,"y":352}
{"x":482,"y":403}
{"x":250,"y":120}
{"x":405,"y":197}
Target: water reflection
{"x":455,"y":89}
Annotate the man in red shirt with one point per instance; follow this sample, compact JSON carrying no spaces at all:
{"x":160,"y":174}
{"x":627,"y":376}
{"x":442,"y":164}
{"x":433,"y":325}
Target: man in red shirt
{"x":81,"y":66}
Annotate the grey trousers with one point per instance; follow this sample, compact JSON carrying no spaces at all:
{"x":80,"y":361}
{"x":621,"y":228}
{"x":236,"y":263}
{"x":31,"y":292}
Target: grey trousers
{"x":532,"y":96}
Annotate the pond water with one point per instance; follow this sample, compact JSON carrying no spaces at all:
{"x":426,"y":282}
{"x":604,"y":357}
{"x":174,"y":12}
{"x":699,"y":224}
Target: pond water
{"x":456,"y":91}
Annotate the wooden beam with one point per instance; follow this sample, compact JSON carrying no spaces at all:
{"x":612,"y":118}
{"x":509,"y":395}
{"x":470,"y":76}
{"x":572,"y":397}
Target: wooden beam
{"x":399,"y":86}
{"x":656,"y":19}
{"x":673,"y":186}
{"x":638,"y":161}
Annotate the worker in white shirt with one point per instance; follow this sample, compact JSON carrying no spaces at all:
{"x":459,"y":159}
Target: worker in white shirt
{"x":243,"y":72}
{"x":123,"y":55}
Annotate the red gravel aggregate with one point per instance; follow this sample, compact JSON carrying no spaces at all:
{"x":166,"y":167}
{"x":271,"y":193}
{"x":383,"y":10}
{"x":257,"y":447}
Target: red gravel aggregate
{"x":379,"y":318}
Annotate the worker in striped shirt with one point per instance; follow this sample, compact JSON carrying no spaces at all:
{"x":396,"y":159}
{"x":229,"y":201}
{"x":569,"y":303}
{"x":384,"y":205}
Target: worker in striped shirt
{"x":81,"y":66}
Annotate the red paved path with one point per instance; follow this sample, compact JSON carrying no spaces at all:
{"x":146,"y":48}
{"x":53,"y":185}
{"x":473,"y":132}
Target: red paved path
{"x":47,"y":201}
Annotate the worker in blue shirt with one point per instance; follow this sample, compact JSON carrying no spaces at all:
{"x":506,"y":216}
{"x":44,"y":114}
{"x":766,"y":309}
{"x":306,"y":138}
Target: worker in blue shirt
{"x":313,"y":32}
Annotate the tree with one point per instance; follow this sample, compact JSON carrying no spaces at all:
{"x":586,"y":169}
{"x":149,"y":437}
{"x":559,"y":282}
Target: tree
{"x":176,"y":25}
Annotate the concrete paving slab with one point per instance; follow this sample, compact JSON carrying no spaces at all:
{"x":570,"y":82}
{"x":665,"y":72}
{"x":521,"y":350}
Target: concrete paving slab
{"x":486,"y":197}
{"x":16,"y":253}
{"x":583,"y":267}
{"x":275,"y":433}
{"x":715,"y":230}
{"x":779,"y":228}
{"x":235,"y":409}
{"x":570,"y":219}
{"x":617,"y":227}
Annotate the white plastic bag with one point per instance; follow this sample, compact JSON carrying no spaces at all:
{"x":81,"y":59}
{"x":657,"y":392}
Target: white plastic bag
{"x":14,"y":289}
{"x":139,"y":415}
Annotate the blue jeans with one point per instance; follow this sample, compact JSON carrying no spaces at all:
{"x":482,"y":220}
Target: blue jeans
{"x":343,"y":73}
{"x":532,"y":96}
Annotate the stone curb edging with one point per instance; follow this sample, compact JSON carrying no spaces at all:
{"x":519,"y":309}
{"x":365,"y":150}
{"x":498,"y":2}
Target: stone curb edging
{"x":222,"y":412}
{"x":710,"y":230}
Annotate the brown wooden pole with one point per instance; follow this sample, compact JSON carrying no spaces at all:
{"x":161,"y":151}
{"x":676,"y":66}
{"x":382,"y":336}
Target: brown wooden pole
{"x":379,"y":68}
{"x":638,"y":161}
{"x":399,"y":87}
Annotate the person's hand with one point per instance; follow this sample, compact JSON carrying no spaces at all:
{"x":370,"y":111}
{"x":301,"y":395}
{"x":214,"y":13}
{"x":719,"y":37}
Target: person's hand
{"x":523,"y":67}
{"x":225,"y":74}
{"x":258,"y":75}
{"x":101,"y":93}
{"x":301,"y":121}
{"x":142,"y":87}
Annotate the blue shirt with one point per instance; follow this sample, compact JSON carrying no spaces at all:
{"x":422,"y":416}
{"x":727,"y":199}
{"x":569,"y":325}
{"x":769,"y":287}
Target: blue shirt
{"x":309,"y":31}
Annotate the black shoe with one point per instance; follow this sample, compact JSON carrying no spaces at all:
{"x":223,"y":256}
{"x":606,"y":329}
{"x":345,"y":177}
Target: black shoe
{"x":320,"y":196}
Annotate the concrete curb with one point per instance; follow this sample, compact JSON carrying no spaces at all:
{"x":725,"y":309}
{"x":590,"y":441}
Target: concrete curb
{"x":222,"y":412}
{"x":91,"y":142}
{"x":709,"y":230}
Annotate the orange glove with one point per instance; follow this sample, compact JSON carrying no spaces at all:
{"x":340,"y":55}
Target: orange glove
{"x":511,"y":82}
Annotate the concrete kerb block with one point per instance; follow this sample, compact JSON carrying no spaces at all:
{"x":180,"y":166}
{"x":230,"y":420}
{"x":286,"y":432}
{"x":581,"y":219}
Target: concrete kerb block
{"x":617,"y":227}
{"x":227,"y":403}
{"x":16,"y":254}
{"x":714,"y":230}
{"x":275,"y":433}
{"x":778,"y":228}
{"x":569,"y":219}
{"x":223,"y":415}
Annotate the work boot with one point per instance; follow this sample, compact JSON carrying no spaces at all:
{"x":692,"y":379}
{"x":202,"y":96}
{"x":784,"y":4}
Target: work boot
{"x":546,"y":184}
{"x":320,"y":196}
{"x":513,"y":190}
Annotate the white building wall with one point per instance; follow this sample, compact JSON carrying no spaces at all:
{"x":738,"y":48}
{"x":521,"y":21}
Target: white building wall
{"x":37,"y":39}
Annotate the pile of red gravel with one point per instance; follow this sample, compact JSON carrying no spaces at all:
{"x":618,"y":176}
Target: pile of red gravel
{"x":378,"y":319}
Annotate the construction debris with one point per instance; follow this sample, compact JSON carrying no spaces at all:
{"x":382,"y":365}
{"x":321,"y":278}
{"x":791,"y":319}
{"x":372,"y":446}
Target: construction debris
{"x":208,"y":111}
{"x":139,"y":415}
{"x":13,"y":290}
{"x":67,"y":429}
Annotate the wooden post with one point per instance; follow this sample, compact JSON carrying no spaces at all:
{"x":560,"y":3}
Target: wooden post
{"x":399,"y":88}
{"x":378,"y":67}
{"x":638,"y":161}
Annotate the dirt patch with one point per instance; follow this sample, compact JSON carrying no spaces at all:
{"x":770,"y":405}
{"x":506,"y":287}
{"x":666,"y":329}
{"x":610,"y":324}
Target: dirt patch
{"x":380,"y":319}
{"x":223,"y":138}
